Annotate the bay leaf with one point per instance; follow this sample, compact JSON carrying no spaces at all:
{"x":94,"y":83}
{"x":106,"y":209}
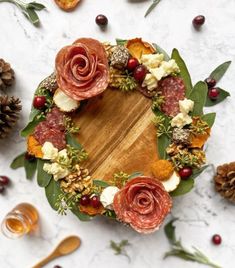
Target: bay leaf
{"x":101,"y":183}
{"x":169,"y":230}
{"x":184,"y":187}
{"x":135,"y":174}
{"x":121,"y":42}
{"x":198,"y":95}
{"x":162,"y":51}
{"x":81,"y":216}
{"x":162,"y":143}
{"x":209,"y":119}
{"x":72,"y":141}
{"x":197,"y":172}
{"x":30,"y":168}
{"x":219,"y":72}
{"x":222,"y":96}
{"x":18,"y":161}
{"x":43,"y":178}
{"x":184,"y":73}
{"x":30,"y":127}
{"x":53,"y":191}
{"x":152,"y":6}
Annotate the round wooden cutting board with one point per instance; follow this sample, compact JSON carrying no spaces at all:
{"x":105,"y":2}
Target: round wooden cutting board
{"x":117,"y":132}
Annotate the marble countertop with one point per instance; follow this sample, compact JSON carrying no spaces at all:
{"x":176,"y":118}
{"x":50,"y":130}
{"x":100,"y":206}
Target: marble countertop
{"x":31,"y":51}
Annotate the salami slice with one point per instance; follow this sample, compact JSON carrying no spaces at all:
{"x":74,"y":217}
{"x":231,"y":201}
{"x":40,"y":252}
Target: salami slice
{"x":173,"y":90}
{"x":82,"y":69}
{"x":143,"y":203}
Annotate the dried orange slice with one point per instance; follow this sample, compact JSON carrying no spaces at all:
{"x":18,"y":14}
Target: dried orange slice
{"x":67,"y":4}
{"x":33,"y":147}
{"x":137,"y":47}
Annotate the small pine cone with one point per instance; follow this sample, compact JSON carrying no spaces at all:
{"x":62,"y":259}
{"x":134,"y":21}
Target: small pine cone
{"x":225,"y":181}
{"x":77,"y":182}
{"x":119,"y":57}
{"x":50,"y":83}
{"x":10,"y":108}
{"x":7,"y":76}
{"x":181,"y":136}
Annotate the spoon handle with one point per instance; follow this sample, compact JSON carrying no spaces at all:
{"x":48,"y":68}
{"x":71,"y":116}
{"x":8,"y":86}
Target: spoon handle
{"x":49,"y":258}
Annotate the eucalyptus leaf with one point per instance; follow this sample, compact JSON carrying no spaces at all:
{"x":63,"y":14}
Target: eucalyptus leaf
{"x":198,"y":95}
{"x":169,"y":230}
{"x":72,"y":141}
{"x":30,"y":127}
{"x":101,"y":183}
{"x":184,"y":73}
{"x":152,"y":6}
{"x":30,"y":168}
{"x":209,"y":119}
{"x":53,"y":191}
{"x":18,"y":161}
{"x":223,"y":94}
{"x":81,"y":216}
{"x":219,"y":72}
{"x":161,"y":50}
{"x":43,"y":178}
{"x":121,"y":42}
{"x":197,"y":172}
{"x":184,"y":187}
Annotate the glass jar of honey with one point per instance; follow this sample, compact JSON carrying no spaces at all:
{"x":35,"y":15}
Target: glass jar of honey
{"x":23,"y":219}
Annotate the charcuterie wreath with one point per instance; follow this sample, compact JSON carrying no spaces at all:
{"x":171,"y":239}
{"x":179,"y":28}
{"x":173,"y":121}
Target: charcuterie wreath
{"x":117,"y":130}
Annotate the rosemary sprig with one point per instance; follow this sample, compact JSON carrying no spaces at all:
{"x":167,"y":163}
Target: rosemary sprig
{"x":119,"y":248}
{"x":28,"y":9}
{"x":181,"y":252}
{"x":152,"y":6}
{"x":66,"y":202}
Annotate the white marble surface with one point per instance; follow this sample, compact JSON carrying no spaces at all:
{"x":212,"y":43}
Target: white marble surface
{"x":202,"y":212}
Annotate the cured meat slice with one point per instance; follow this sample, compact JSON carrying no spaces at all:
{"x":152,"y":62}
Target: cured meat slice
{"x":82,"y":69}
{"x":173,"y":90}
{"x":55,"y":119}
{"x":143,"y":203}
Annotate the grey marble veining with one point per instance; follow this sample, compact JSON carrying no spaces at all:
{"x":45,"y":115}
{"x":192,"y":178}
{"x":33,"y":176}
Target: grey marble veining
{"x":31,"y":51}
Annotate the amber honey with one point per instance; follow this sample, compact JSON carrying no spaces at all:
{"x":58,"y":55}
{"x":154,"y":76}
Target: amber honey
{"x":22,"y":220}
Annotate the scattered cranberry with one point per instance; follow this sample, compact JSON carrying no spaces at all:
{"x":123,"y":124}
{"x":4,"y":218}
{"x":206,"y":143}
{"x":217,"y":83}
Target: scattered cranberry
{"x":57,"y":266}
{"x":198,"y":21}
{"x":210,"y":82}
{"x":95,"y":201}
{"x":185,"y":173}
{"x":213,"y":93}
{"x":2,"y":189}
{"x":29,"y":157}
{"x":140,"y":73}
{"x":217,"y":239}
{"x":85,"y":200}
{"x":132,"y":64}
{"x":4,"y":180}
{"x":39,"y":102}
{"x":101,"y":20}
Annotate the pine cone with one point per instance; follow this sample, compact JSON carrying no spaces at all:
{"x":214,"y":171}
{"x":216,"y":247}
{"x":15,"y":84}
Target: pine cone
{"x":77,"y":182}
{"x":50,"y":83}
{"x":6,"y":74}
{"x":9,"y":114}
{"x":225,"y":181}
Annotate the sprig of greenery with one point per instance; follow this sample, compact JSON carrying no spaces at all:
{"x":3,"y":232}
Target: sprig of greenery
{"x":120,"y":178}
{"x":159,"y":122}
{"x":199,"y":127}
{"x":152,"y":6}
{"x":158,"y":100}
{"x":66,"y":202}
{"x":70,"y":126}
{"x":28,"y":9}
{"x":119,"y":248}
{"x":178,"y":250}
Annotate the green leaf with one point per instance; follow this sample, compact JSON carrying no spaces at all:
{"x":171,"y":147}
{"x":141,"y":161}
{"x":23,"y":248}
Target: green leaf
{"x":219,"y":72}
{"x":30,"y":127}
{"x":72,"y":141}
{"x":222,"y":96}
{"x":209,"y":119}
{"x":169,"y":230}
{"x":36,"y":6}
{"x":184,"y":73}
{"x":18,"y":161}
{"x":197,"y":172}
{"x":184,"y":187}
{"x":34,"y":112}
{"x":199,"y":95}
{"x":162,"y":143}
{"x":135,"y":174}
{"x":53,"y":191}
{"x":43,"y":178}
{"x":32,"y":16}
{"x":81,"y":216}
{"x":161,"y":50}
{"x":30,"y":168}
{"x":121,"y":42}
{"x":152,"y":6}
{"x":101,"y":183}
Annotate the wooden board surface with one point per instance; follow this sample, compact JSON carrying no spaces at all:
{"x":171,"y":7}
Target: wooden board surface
{"x":117,"y":133}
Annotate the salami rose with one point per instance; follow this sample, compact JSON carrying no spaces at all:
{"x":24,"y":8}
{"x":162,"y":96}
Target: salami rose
{"x":143,"y":203}
{"x":82,"y":69}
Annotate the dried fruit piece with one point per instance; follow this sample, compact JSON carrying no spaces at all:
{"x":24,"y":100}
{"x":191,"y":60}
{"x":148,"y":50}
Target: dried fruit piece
{"x":64,"y":102}
{"x":137,"y":47}
{"x":172,"y":183}
{"x":33,"y":147}
{"x":67,"y":4}
{"x":91,"y":210}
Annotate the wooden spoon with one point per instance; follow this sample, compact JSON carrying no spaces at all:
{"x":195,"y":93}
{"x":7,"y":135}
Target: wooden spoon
{"x":65,"y":247}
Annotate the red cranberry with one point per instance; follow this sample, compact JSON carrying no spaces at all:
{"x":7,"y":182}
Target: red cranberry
{"x":210,"y":82}
{"x":2,"y":189}
{"x":132,"y":64}
{"x":4,"y":180}
{"x":185,"y":173}
{"x":57,"y":266}
{"x":199,"y":21}
{"x":101,"y":20}
{"x":140,"y":73}
{"x":213,"y":93}
{"x":85,"y":200}
{"x":39,"y":102}
{"x":95,"y":201}
{"x":217,"y":239}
